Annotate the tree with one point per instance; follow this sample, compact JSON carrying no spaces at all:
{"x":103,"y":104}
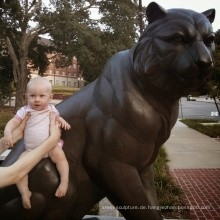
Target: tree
{"x":72,"y":30}
{"x":93,"y":42}
{"x":6,"y":75}
{"x":15,"y":17}
{"x":217,"y":37}
{"x":214,"y":84}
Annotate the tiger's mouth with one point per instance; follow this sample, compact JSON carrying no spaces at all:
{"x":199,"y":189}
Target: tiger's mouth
{"x":197,"y":78}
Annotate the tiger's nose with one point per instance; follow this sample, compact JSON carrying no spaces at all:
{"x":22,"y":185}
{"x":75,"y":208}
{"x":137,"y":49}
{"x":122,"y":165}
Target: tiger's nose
{"x":201,"y":54}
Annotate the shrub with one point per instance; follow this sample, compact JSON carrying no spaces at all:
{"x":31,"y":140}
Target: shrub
{"x":168,"y":192}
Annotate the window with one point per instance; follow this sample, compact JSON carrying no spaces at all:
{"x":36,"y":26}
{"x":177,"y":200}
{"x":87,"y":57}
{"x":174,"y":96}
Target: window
{"x":50,"y":71}
{"x":63,"y":83}
{"x":63,"y":73}
{"x":75,"y":84}
{"x":57,"y":82}
{"x":57,"y":72}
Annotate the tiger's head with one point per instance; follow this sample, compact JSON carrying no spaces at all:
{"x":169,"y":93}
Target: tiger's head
{"x":175,"y":52}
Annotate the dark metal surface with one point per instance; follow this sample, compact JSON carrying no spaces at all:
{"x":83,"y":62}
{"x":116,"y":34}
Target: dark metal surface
{"x":120,"y":120}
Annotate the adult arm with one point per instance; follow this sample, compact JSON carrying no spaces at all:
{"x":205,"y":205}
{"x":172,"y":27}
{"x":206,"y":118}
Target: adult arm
{"x":14,"y":173}
{"x":9,"y":128}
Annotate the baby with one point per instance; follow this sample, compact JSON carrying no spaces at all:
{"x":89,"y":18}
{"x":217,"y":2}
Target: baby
{"x":39,"y":95}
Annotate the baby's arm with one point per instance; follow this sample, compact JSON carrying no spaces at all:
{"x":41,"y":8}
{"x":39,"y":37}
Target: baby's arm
{"x":10,"y":126}
{"x":63,"y":123}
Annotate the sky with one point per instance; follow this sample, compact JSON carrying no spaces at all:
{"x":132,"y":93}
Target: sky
{"x":196,"y":5}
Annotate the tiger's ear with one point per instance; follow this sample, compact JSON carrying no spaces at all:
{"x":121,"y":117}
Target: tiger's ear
{"x":210,"y":14}
{"x":154,"y":12}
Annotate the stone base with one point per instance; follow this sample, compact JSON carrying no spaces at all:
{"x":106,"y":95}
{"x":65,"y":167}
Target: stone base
{"x":94,"y":217}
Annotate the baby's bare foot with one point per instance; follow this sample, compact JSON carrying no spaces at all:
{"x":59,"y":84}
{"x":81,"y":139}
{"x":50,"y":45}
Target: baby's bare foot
{"x":26,"y":199}
{"x":61,"y":190}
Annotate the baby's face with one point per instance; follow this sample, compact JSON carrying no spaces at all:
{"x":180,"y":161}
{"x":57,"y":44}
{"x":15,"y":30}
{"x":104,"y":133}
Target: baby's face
{"x":38,"y":96}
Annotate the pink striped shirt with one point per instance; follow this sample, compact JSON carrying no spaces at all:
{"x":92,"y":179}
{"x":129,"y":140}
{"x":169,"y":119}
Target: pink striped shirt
{"x":37,"y":127}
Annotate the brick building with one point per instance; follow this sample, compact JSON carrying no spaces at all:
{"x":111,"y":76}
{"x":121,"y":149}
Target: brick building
{"x":69,"y":76}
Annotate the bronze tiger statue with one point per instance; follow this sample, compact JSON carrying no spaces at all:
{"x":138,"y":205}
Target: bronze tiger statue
{"x":120,"y":120}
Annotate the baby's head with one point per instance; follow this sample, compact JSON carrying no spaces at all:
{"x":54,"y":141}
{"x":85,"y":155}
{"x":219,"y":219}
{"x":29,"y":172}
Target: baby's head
{"x":39,"y":93}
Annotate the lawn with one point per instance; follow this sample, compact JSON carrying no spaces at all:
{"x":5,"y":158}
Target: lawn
{"x":66,"y":91}
{"x":210,"y":130}
{"x":6,"y":113}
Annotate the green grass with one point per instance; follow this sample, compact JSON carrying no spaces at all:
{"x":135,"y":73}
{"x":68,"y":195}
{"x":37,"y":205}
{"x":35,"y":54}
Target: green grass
{"x":168,"y":192}
{"x":210,"y":130}
{"x":66,"y":91}
{"x":5,"y":115}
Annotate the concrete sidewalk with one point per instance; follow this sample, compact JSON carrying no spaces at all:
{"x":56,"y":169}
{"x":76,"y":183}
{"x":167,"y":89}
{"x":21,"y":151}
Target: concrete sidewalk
{"x":195,"y":166}
{"x":188,"y":148}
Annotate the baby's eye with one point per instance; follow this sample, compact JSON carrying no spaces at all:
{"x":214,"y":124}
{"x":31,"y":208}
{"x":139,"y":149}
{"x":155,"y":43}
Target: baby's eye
{"x":42,"y":96}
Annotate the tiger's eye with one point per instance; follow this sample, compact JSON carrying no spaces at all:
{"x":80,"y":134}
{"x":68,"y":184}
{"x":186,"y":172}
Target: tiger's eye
{"x":209,"y":40}
{"x":179,"y":40}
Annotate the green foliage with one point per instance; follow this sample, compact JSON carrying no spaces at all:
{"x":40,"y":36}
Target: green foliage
{"x":213,"y":86}
{"x":20,"y":38}
{"x":6,"y":78}
{"x":37,"y":55}
{"x":210,"y":130}
{"x":167,"y":191}
{"x":72,"y":30}
{"x":94,"y":42}
{"x":217,"y":37}
{"x":94,"y":210}
{"x":216,"y":74}
{"x":5,"y":116}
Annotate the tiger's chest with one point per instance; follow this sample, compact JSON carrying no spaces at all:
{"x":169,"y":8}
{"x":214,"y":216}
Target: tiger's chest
{"x":134,"y":134}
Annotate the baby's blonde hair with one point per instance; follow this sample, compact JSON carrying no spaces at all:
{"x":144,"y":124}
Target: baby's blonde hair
{"x":39,"y":80}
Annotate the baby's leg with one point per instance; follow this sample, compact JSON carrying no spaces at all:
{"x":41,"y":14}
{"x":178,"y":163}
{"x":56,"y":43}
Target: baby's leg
{"x":23,"y":188}
{"x":58,"y":157}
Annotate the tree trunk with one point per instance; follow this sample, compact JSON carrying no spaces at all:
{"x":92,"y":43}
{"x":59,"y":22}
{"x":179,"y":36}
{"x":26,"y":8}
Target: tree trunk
{"x":21,"y":82}
{"x":216,"y":104}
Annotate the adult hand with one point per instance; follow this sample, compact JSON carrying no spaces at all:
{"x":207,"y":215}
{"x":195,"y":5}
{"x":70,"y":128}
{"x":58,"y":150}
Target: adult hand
{"x":55,"y":131}
{"x":18,"y":133}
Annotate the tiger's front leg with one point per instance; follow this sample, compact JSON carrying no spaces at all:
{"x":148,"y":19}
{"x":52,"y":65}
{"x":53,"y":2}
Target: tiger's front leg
{"x":131,"y":194}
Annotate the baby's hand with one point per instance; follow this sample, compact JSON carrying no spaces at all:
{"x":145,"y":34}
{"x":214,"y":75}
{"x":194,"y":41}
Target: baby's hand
{"x":64,"y":124}
{"x":7,"y":139}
